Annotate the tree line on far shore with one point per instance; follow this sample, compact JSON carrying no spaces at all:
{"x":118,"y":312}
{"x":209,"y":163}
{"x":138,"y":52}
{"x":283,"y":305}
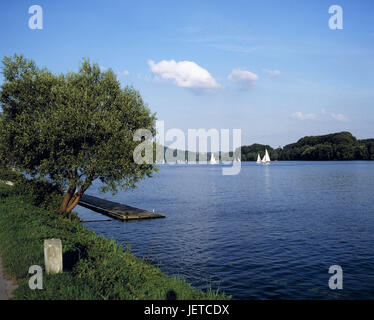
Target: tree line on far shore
{"x":335,"y":146}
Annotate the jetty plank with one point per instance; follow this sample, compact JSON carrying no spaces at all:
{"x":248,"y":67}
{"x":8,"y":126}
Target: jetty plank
{"x":116,"y":210}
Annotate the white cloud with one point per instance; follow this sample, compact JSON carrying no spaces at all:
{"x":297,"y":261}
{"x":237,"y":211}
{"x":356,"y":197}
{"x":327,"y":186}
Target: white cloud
{"x":312,"y":116}
{"x":273,"y":73}
{"x":300,"y":116}
{"x":243,"y":78}
{"x":339,"y":117}
{"x":185,"y":74}
{"x":124,"y":73}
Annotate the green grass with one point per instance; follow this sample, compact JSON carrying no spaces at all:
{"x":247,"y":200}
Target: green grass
{"x":94,"y":267}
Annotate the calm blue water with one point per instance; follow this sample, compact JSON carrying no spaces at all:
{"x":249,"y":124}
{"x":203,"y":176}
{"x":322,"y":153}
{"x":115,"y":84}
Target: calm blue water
{"x":271,"y":232}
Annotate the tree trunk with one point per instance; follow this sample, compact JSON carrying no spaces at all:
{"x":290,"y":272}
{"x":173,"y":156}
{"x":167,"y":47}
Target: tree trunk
{"x":68,"y":195}
{"x":75,"y":197}
{"x":74,"y":201}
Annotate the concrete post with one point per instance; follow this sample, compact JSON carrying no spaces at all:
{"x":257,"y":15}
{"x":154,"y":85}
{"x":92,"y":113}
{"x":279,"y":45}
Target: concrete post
{"x":53,"y":255}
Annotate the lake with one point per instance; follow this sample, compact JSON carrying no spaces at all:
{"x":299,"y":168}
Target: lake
{"x":271,"y":232}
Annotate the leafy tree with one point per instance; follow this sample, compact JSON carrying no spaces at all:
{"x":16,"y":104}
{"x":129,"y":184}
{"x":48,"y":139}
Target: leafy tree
{"x":249,"y":153}
{"x":72,"y":128}
{"x":370,"y":150}
{"x":334,"y":146}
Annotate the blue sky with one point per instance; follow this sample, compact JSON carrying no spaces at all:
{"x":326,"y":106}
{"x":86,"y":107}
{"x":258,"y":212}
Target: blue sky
{"x":272,"y":68}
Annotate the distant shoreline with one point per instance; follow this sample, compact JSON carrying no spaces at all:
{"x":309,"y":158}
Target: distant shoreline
{"x":340,"y":146}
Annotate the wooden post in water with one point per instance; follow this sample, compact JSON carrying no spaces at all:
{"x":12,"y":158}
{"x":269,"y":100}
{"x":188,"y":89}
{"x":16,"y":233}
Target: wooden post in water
{"x":53,"y":255}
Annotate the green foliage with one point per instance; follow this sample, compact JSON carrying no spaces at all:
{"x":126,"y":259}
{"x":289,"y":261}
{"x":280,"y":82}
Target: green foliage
{"x":61,"y":286}
{"x":5,"y":190}
{"x":94,"y":267}
{"x":249,"y":153}
{"x":7,"y":174}
{"x":72,"y":128}
{"x":335,"y":146}
{"x":333,"y":138}
{"x":38,"y":192}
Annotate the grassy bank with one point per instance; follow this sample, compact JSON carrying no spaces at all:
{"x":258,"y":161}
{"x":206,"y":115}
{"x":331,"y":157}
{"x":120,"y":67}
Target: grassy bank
{"x":94,"y":267}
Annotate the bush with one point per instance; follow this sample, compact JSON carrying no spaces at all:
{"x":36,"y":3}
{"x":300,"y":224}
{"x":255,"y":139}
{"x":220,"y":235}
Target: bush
{"x":39,"y":192}
{"x":5,"y":190}
{"x":7,"y":174}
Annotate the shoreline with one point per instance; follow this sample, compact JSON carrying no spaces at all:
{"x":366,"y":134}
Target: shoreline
{"x":95,"y":267}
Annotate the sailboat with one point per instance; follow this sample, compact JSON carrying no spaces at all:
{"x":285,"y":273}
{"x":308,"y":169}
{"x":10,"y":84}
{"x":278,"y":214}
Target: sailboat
{"x":258,"y":158}
{"x":212,"y":159}
{"x":266,"y":158}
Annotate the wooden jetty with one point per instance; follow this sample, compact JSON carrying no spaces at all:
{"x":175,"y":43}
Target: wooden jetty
{"x":116,"y":210}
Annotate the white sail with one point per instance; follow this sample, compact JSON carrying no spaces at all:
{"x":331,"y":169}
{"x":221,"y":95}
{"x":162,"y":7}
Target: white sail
{"x":266,"y":158}
{"x":258,"y":158}
{"x":212,"y":159}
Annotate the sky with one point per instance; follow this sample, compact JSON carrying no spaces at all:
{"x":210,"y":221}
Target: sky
{"x":273,"y":69}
